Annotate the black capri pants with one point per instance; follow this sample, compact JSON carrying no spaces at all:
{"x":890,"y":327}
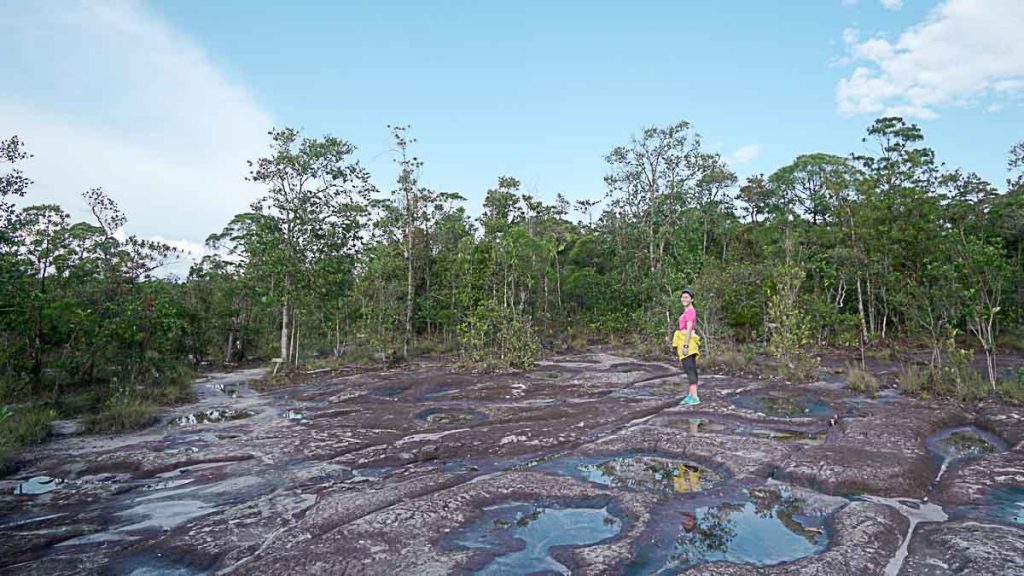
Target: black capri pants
{"x":690,"y":365}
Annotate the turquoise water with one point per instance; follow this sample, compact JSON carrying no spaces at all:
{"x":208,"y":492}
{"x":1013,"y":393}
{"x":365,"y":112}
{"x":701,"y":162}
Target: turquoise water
{"x":518,"y":538}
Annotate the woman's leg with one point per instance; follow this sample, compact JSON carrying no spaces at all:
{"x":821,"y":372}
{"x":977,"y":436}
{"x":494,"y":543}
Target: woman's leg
{"x":690,"y":365}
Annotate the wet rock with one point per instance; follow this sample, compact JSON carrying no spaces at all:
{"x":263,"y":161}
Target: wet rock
{"x":965,"y":547}
{"x":1006,"y":422}
{"x":66,"y":427}
{"x":973,"y":480}
{"x":880,"y":453}
{"x":737,"y":455}
{"x":25,"y":543}
{"x":373,"y":485}
{"x":847,"y":470}
{"x":399,"y":538}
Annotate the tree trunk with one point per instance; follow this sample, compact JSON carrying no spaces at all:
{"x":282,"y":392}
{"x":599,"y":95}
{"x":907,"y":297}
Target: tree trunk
{"x":231,"y":345}
{"x":284,"y":331}
{"x":408,"y":282}
{"x":863,"y":323}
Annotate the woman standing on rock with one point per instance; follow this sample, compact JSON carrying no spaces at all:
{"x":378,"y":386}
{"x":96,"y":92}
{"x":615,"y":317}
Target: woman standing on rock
{"x":687,"y":343}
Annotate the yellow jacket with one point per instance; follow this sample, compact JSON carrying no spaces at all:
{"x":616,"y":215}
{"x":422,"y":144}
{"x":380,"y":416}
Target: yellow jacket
{"x":679,"y":338}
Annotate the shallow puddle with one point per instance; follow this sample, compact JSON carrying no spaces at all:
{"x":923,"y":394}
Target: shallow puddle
{"x":790,"y":436}
{"x":546,"y":375}
{"x":1004,"y":505}
{"x":448,"y":416}
{"x":294,"y":415}
{"x":214,"y":415}
{"x":38,"y":485}
{"x":784,"y":406}
{"x":964,"y":442}
{"x":762,"y":527}
{"x":637,"y":471}
{"x":388,"y":391}
{"x":517,"y":538}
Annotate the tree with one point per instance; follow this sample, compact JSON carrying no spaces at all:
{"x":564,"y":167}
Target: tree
{"x":755,"y":195}
{"x":315,"y":199}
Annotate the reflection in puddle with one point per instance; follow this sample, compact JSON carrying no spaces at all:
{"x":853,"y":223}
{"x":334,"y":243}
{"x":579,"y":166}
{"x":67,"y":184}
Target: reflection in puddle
{"x":965,"y":442}
{"x":214,"y":415}
{"x":961,"y":443}
{"x":38,"y":485}
{"x":767,"y":527}
{"x":295,"y":415}
{"x":1005,"y":505}
{"x":784,"y":406}
{"x":517,"y":538}
{"x":640,"y":472}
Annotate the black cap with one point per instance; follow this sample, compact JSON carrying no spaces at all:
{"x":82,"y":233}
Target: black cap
{"x":687,"y":291}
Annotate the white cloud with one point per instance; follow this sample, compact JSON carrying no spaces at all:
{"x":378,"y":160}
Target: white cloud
{"x":888,"y":4}
{"x":104,"y":93}
{"x":963,"y":53}
{"x":745,"y":154}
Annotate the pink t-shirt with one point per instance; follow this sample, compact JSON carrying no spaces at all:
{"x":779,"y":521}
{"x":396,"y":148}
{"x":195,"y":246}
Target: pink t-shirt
{"x":689,"y":316}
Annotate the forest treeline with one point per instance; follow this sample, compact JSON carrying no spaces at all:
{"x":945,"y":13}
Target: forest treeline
{"x":850,"y":251}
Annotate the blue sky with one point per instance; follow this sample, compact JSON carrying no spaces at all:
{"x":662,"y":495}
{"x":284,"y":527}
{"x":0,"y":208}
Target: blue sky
{"x":161,"y":102}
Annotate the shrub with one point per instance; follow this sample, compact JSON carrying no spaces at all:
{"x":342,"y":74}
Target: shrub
{"x":913,"y":380}
{"x":800,"y":369}
{"x":1011,"y":389}
{"x":23,"y":426}
{"x":122,"y":413}
{"x":861,"y":381}
{"x":497,"y":341}
{"x":731,"y":360}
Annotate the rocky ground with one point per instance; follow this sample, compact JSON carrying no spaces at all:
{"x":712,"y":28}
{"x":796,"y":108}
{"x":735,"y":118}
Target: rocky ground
{"x":586,"y":465}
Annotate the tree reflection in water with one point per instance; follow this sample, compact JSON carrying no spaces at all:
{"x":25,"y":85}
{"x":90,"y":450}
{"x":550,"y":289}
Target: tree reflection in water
{"x":746,"y":532}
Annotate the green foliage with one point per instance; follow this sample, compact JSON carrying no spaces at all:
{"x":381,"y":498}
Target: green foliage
{"x":956,"y":380}
{"x":496,"y":341}
{"x":861,"y":381}
{"x":122,"y":413}
{"x":23,"y":425}
{"x":731,"y":360}
{"x":913,"y":380}
{"x":788,"y":325}
{"x":862,"y":251}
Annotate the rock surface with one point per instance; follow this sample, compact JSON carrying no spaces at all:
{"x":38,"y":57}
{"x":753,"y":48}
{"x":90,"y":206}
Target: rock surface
{"x":362,"y":472}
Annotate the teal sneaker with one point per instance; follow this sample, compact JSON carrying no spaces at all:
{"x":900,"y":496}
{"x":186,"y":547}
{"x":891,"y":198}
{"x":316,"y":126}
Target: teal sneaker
{"x":686,"y":401}
{"x":691,"y":401}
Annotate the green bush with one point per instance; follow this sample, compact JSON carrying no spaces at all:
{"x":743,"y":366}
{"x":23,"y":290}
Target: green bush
{"x":800,"y":369}
{"x":1011,"y":390}
{"x":861,"y":381}
{"x":913,"y":380}
{"x":958,"y":382}
{"x":22,"y":426}
{"x":122,"y":413}
{"x":731,"y":360}
{"x":494,"y":340}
